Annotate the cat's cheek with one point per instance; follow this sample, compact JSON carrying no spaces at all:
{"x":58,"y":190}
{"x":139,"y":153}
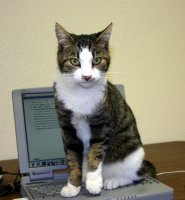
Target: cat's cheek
{"x":96,"y":74}
{"x":77,"y":75}
{"x":70,"y":190}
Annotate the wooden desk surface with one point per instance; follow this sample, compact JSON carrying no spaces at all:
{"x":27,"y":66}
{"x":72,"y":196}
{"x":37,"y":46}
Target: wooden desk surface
{"x":168,"y":156}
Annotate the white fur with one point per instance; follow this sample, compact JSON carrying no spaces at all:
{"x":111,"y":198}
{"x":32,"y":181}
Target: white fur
{"x":123,"y":173}
{"x":70,"y":190}
{"x":82,"y":129}
{"x":86,"y":62}
{"x":78,"y":99}
{"x":94,"y":180}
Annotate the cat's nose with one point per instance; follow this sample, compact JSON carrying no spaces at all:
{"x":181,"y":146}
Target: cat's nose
{"x":87,"y":77}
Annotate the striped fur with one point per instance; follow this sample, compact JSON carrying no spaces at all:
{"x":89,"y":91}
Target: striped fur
{"x":99,"y":128}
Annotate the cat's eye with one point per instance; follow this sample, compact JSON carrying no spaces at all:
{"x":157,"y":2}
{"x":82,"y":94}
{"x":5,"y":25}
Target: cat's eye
{"x":96,"y":61}
{"x":75,"y":62}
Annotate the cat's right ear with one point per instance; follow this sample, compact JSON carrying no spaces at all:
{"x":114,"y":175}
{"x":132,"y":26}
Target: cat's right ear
{"x":104,"y":36}
{"x":64,"y":38}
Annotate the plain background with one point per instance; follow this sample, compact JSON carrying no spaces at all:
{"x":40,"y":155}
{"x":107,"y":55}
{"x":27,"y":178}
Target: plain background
{"x":147,"y":47}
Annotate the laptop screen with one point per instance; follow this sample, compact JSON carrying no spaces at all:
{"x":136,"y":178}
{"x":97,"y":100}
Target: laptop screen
{"x":43,"y":134}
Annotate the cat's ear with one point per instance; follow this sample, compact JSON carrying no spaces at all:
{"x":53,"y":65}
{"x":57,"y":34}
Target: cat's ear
{"x":104,"y":36}
{"x":64,"y":38}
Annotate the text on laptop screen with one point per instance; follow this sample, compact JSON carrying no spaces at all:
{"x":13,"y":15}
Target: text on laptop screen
{"x":44,"y":140}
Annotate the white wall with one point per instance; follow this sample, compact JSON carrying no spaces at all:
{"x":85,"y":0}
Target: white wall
{"x":147,"y":47}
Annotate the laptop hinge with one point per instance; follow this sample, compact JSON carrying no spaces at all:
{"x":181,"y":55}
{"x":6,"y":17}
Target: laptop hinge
{"x":41,"y":175}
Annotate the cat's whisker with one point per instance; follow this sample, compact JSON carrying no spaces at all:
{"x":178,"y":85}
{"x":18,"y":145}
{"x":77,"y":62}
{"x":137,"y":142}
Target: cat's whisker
{"x":68,"y":81}
{"x":112,"y":72}
{"x":66,"y":78}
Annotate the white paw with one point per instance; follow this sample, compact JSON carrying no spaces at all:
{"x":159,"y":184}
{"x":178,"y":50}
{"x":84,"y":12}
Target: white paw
{"x":111,"y":183}
{"x":94,"y":185}
{"x":70,"y":190}
{"x":94,"y":180}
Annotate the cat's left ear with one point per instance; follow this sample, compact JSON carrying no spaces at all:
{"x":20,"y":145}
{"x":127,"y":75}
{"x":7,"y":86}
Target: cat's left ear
{"x":104,"y":36}
{"x":64,"y":38}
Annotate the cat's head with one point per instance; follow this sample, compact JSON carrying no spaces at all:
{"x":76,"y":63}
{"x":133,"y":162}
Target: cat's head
{"x":83,"y":58}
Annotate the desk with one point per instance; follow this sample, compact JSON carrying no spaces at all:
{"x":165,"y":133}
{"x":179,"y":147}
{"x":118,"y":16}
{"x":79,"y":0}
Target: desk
{"x":168,"y":156}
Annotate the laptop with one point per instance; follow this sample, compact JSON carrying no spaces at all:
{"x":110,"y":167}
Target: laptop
{"x":42,"y":159}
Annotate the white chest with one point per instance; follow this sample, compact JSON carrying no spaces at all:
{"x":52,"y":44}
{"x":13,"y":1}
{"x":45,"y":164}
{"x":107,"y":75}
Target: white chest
{"x":80,"y":100}
{"x":82,"y":130}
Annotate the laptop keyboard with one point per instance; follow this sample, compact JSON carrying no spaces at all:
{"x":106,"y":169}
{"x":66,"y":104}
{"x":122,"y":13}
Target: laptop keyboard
{"x":52,"y":190}
{"x":48,"y":190}
{"x":146,"y":188}
{"x":43,"y":190}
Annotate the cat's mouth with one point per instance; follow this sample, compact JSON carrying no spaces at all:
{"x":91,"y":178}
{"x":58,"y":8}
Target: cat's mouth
{"x":88,"y":83}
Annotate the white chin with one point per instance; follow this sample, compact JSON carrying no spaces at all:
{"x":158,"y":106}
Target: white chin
{"x":86,"y":84}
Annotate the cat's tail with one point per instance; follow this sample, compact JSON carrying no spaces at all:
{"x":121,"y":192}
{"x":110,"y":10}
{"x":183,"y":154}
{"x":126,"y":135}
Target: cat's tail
{"x":149,"y":168}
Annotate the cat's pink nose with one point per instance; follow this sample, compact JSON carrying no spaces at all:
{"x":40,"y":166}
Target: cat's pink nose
{"x":86,"y":77}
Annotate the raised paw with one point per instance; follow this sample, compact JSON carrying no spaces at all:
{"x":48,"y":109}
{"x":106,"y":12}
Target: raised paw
{"x":70,"y":190}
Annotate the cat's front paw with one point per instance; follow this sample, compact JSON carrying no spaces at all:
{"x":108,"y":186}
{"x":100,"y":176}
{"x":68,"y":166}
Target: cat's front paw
{"x":70,"y":190}
{"x":94,"y":184}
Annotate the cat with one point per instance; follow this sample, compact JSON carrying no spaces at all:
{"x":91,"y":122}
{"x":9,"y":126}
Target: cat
{"x":100,"y":135}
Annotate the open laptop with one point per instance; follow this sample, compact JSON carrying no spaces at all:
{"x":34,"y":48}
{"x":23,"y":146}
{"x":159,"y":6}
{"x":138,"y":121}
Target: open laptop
{"x":41,"y":153}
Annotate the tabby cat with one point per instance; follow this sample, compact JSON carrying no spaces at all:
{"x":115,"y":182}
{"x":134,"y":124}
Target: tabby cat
{"x":101,"y":139}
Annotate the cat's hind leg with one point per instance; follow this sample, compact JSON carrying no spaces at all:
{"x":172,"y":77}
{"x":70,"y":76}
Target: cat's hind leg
{"x":123,"y":172}
{"x":113,"y":183}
